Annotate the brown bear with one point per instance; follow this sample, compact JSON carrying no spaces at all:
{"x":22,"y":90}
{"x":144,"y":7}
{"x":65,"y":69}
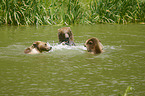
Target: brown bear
{"x":37,"y":47}
{"x":65,"y":36}
{"x":94,"y":45}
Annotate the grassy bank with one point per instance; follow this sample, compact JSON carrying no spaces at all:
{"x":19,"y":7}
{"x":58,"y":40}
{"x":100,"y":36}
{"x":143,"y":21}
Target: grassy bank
{"x":51,"y":12}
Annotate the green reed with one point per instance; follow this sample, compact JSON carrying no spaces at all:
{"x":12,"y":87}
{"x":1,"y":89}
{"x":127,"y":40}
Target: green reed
{"x":65,"y":11}
{"x":116,"y":11}
{"x":128,"y":90}
{"x":22,"y":12}
{"x":51,"y":12}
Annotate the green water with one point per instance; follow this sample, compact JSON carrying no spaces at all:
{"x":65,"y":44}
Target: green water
{"x":72,"y":71}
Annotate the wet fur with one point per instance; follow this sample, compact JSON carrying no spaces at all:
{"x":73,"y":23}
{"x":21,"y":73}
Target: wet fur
{"x":37,"y":47}
{"x":65,"y":36}
{"x":94,"y":46}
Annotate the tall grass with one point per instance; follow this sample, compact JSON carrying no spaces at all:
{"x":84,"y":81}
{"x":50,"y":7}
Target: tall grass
{"x":65,"y":11}
{"x":51,"y":12}
{"x":116,"y":11}
{"x":23,"y":12}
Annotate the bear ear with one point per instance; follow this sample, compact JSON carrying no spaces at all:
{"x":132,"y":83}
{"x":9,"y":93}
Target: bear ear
{"x":27,"y":50}
{"x":69,"y":28}
{"x":35,"y":44}
{"x":90,"y":42}
{"x":59,"y":30}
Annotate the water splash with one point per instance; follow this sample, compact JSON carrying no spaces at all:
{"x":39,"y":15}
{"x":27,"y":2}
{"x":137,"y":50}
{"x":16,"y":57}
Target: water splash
{"x":48,"y":44}
{"x":79,"y":47}
{"x":56,"y":46}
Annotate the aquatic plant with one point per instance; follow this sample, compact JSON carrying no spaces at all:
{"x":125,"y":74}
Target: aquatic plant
{"x":128,"y":89}
{"x":51,"y":12}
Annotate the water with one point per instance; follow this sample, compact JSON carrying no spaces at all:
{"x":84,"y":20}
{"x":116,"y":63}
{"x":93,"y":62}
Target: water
{"x":72,"y":71}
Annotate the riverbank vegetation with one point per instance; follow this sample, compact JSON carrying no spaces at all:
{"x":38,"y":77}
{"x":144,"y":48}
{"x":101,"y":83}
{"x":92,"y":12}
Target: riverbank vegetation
{"x":52,"y":12}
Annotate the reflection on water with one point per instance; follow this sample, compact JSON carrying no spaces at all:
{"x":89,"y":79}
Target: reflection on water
{"x":71,"y":70}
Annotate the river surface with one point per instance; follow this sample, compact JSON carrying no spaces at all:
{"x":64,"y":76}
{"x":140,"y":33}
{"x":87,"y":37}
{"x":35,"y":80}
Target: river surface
{"x":72,"y":71}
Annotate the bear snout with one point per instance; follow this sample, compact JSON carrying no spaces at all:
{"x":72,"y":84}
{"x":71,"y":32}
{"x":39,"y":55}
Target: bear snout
{"x":66,"y":39}
{"x":50,"y":48}
{"x":66,"y":35}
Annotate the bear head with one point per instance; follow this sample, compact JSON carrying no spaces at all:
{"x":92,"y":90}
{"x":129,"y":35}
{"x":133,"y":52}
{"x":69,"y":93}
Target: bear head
{"x":94,"y":45}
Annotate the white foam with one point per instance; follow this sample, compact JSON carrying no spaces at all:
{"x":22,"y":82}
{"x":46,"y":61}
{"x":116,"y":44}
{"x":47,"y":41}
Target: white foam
{"x":66,"y":47}
{"x":79,"y":47}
